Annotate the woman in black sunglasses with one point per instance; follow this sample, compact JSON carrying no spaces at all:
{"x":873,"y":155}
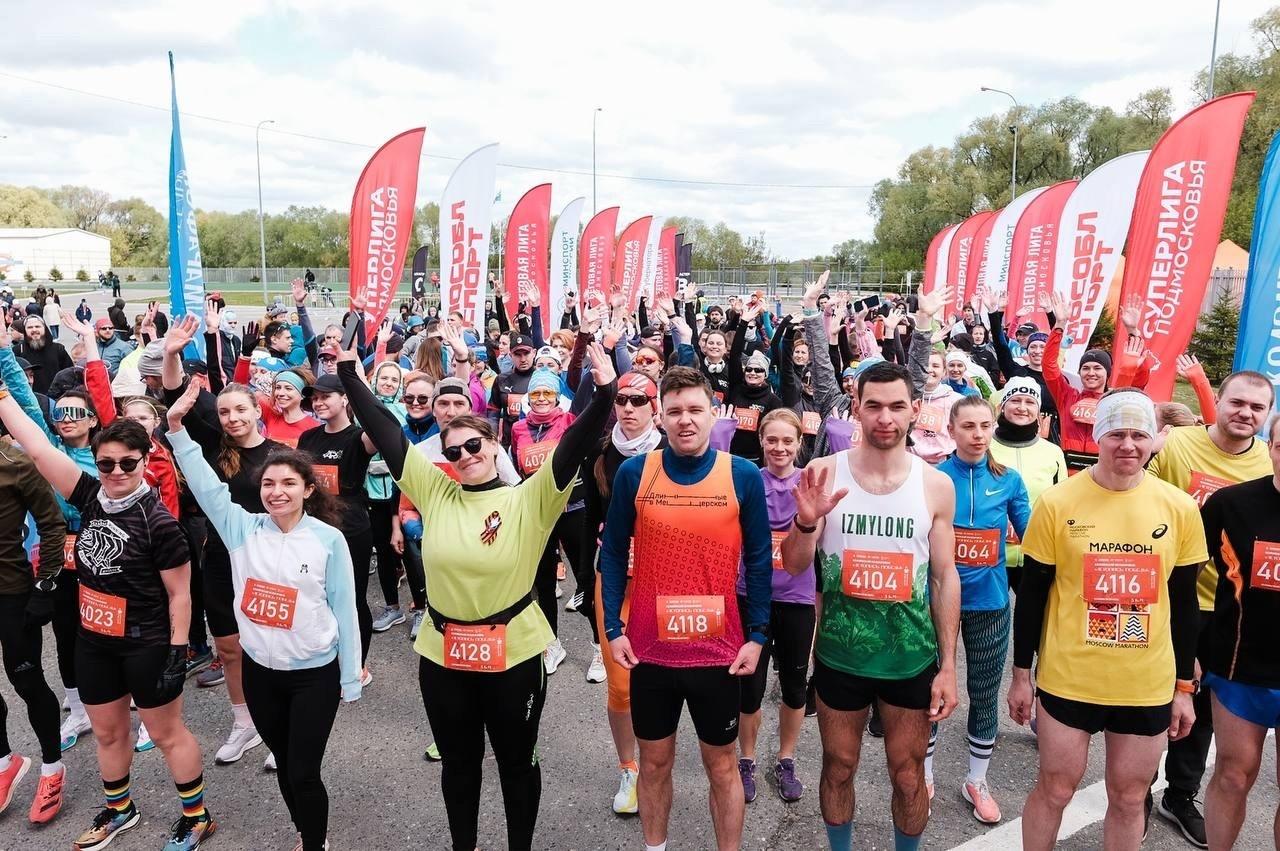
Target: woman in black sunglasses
{"x":481,"y":668}
{"x":749,"y":391}
{"x":135,"y":610}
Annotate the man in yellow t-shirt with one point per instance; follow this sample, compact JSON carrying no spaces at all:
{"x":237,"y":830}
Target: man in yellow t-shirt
{"x":1108,"y":603}
{"x":1201,"y":460}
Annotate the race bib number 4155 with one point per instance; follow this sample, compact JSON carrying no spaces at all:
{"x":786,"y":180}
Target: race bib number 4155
{"x":268,"y":604}
{"x":873,"y":575}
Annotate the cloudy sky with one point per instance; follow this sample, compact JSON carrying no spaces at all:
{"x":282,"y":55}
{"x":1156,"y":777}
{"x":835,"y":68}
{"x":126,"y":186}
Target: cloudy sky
{"x":716,"y":110}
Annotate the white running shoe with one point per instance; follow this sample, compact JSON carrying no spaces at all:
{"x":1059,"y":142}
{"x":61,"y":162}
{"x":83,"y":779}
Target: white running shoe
{"x":73,"y":726}
{"x":595,"y":671}
{"x":270,"y":764}
{"x":576,"y":600}
{"x":144,"y":743}
{"x":625,"y":802}
{"x":553,"y":656}
{"x":240,"y":740}
{"x":559,"y":591}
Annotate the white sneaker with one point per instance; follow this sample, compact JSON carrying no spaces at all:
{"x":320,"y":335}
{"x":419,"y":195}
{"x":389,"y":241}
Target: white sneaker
{"x":366,"y":678}
{"x":144,"y":743}
{"x":595,"y":671}
{"x":576,"y":600}
{"x":270,"y":764}
{"x":559,"y":591}
{"x":625,"y":802}
{"x":74,"y":726}
{"x":553,"y":656}
{"x":240,"y":740}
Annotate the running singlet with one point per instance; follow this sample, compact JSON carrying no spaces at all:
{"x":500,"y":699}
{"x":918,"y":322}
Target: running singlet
{"x":873,"y":555}
{"x":688,"y":543}
{"x":1192,"y":462}
{"x":1106,"y":637}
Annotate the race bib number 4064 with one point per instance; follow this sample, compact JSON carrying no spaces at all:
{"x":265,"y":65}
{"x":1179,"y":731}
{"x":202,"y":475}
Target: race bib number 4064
{"x":873,"y":575}
{"x":977,"y":547}
{"x":690,"y":617}
{"x":476,"y":647}
{"x":1123,"y":580}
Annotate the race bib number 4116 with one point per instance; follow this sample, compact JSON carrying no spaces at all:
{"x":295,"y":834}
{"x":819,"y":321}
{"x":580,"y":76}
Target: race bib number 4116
{"x":1124,"y":580}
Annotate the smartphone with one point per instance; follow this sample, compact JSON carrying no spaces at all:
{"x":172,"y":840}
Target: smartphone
{"x":869,"y":303}
{"x":349,"y":327}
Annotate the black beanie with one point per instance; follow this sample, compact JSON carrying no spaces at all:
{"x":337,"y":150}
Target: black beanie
{"x":1097,"y":356}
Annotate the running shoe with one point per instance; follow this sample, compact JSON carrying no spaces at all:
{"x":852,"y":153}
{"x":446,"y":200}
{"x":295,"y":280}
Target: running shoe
{"x":73,"y":726}
{"x":189,"y":833}
{"x":575,"y":602}
{"x":810,"y":700}
{"x":874,"y":725}
{"x":144,"y":742}
{"x":391,"y":616}
{"x":559,"y":591}
{"x":270,"y":763}
{"x":747,"y":769}
{"x":198,"y":660}
{"x":107,"y":825}
{"x":625,"y":802}
{"x":48,"y":799}
{"x":212,"y":675}
{"x":595,"y":671}
{"x":985,"y":808}
{"x":432,"y":753}
{"x":241,"y":739}
{"x":784,"y":776}
{"x":553,"y":656}
{"x":11,"y":777}
{"x":373,"y":564}
{"x":299,"y":847}
{"x":1182,"y":811}
{"x":415,"y":623}
{"x":366,"y":678}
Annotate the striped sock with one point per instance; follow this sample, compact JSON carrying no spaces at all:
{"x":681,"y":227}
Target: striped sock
{"x":979,"y":758}
{"x":928,"y":754}
{"x":117,"y":792}
{"x":192,"y":796}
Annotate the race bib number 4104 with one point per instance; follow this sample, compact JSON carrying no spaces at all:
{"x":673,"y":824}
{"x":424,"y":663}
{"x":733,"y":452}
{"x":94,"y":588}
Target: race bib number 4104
{"x":873,"y":575}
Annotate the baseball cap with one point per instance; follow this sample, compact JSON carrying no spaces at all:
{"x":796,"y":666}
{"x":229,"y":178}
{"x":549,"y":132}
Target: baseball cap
{"x":650,"y":331}
{"x":1027,"y":328}
{"x":272,"y":364}
{"x":104,"y":322}
{"x":25,"y":365}
{"x":521,"y":341}
{"x":414,"y":321}
{"x":547,"y":352}
{"x":324,"y":384}
{"x":329,"y":352}
{"x":450,"y":385}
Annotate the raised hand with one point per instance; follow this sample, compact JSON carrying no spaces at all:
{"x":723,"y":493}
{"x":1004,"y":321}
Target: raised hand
{"x":181,"y":332}
{"x":1185,"y":365}
{"x":678,"y":323}
{"x":999,"y":301}
{"x":727,"y":412}
{"x":1131,"y":314}
{"x":1043,"y":300}
{"x":212,"y":316}
{"x":614,"y":333}
{"x":533,"y":298}
{"x":814,"y":290}
{"x":590,"y":319}
{"x":1058,"y":305}
{"x":665,"y":304}
{"x":1135,"y":347}
{"x":358,"y":301}
{"x":602,"y":371}
{"x":250,"y":340}
{"x":182,"y":406}
{"x":814,"y":499}
{"x":70,"y":321}
{"x":298,"y":288}
{"x":928,"y":304}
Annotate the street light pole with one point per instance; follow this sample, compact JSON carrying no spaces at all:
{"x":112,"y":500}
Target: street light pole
{"x":1013,"y":173}
{"x":1213,"y":50}
{"x":594,"y":115}
{"x":262,"y":234}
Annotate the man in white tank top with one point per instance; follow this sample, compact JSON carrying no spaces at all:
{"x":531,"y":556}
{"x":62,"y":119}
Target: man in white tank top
{"x":878,"y":523}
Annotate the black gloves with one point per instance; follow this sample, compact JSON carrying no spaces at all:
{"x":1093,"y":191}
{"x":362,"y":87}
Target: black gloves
{"x":174,"y":673}
{"x":39,"y":608}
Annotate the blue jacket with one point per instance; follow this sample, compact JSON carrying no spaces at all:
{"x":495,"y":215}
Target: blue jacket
{"x":985,"y":502}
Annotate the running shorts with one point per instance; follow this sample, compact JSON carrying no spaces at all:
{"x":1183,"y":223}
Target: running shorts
{"x":108,"y":674}
{"x":1094,"y":718}
{"x":658,"y":694}
{"x":850,"y":693}
{"x":1256,"y":704}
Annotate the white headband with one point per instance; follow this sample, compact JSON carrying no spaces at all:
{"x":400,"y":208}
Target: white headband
{"x":1130,"y":409}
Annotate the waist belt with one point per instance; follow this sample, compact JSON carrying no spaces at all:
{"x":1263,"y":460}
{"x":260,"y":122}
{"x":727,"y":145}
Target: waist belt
{"x":1077,"y":460}
{"x":440,"y":621}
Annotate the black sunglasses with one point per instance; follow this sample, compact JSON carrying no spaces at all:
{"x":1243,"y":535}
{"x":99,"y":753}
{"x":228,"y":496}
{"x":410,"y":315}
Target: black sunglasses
{"x":472,"y":445}
{"x":755,"y":369}
{"x":635,"y":401}
{"x":108,"y":465}
{"x":417,"y":400}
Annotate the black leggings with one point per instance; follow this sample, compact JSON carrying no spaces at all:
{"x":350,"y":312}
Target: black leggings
{"x":66,"y":625}
{"x":195,"y":527}
{"x":380,"y":513}
{"x":20,"y":647}
{"x":461,"y":706}
{"x":568,"y":532}
{"x":790,"y":640}
{"x":361,"y":546}
{"x":293,"y":712}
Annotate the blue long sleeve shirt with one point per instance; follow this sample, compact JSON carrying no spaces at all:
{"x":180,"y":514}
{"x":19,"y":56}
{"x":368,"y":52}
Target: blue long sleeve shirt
{"x":753,"y":517}
{"x":986,"y":502}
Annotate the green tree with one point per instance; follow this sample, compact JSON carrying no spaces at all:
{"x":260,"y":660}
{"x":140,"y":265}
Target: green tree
{"x":26,"y":207}
{"x":55,"y":274}
{"x":139,"y":234}
{"x":82,"y":275}
{"x":1214,"y":341}
{"x":1104,"y":332}
{"x":84,"y":206}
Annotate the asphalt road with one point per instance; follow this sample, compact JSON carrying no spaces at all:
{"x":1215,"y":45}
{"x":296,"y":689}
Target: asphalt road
{"x":384,"y":796}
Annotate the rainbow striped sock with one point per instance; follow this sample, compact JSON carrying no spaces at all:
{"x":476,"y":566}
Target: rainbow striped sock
{"x":117,"y":792}
{"x":192,"y":796}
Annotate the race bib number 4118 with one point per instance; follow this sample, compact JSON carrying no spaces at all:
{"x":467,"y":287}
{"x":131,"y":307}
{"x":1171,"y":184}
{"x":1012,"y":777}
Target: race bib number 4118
{"x":690,"y":617}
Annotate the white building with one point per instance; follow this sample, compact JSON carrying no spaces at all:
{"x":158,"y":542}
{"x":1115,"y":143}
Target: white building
{"x":41,"y":249}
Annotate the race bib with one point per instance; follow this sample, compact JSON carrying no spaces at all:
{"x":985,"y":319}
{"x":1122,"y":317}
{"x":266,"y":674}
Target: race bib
{"x":533,"y":456}
{"x":778,"y":538}
{"x":690,"y":617}
{"x":1011,"y":535}
{"x":977,"y":547}
{"x":1266,"y":566}
{"x":513,"y":404}
{"x":102,"y":613}
{"x":748,"y":418}
{"x":326,"y":477}
{"x":1203,"y":486}
{"x":932,"y":418}
{"x":69,"y":553}
{"x":873,"y":575}
{"x":268,"y":604}
{"x":1085,"y":411}
{"x":1121,"y":580}
{"x":809,"y":422}
{"x":476,"y":647}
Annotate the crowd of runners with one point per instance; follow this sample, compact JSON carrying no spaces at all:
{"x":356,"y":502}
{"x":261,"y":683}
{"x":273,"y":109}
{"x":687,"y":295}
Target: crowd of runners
{"x":843,"y":493}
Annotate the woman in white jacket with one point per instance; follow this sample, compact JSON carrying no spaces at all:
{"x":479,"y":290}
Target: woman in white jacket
{"x":295,"y":606}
